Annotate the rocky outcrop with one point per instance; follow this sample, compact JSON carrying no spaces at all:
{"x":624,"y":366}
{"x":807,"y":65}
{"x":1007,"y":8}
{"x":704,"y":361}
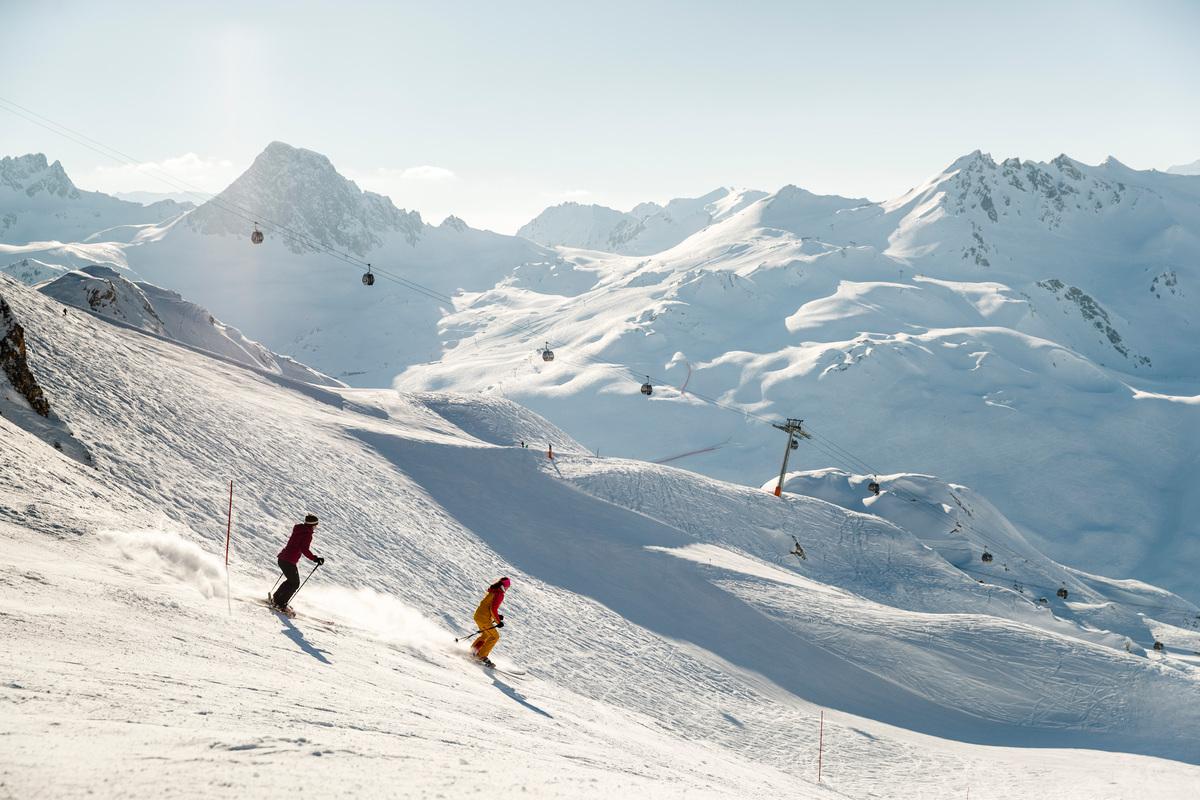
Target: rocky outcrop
{"x":1094,"y":313}
{"x":15,"y":364}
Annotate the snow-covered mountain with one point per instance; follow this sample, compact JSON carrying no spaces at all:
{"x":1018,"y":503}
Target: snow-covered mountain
{"x":39,"y":202}
{"x":307,"y":204}
{"x":32,"y":270}
{"x":664,"y":637}
{"x":646,"y":229}
{"x":1027,"y":328}
{"x":1186,"y":169}
{"x":300,"y":290}
{"x":150,"y":308}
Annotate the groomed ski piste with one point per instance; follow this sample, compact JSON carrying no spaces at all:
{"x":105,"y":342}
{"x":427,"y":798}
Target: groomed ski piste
{"x":673,"y":644}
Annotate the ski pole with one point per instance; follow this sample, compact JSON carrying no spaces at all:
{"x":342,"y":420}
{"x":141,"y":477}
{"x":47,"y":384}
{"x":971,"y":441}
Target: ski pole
{"x":476,"y":633}
{"x":277,"y":580}
{"x":314,"y":569}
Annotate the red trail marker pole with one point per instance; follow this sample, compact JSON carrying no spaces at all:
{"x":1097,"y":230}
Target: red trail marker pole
{"x":821,"y":746}
{"x":229,"y":526}
{"x":228,"y":535}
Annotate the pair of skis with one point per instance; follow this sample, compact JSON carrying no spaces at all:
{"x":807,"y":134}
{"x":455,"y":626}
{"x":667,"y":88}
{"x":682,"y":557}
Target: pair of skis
{"x":290,"y":613}
{"x":515,"y":672}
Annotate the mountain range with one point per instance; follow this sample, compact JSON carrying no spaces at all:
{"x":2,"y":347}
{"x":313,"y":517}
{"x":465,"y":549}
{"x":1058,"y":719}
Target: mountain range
{"x":1024,"y":327}
{"x":39,"y":202}
{"x":646,"y":229}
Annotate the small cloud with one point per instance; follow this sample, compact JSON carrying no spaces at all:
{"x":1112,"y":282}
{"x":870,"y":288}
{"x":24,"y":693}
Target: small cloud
{"x":384,"y":176}
{"x":186,"y":172}
{"x":428,"y":173}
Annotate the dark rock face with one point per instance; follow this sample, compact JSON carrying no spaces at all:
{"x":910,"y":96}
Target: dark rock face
{"x":14,"y":363}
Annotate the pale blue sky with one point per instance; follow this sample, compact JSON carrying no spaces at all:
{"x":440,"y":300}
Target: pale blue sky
{"x":518,"y":105}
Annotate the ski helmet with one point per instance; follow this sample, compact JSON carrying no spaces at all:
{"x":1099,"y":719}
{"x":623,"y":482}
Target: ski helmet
{"x":505,"y":582}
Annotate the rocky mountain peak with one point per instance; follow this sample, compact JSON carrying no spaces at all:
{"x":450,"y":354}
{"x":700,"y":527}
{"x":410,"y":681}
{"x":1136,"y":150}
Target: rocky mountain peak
{"x":298,"y":197}
{"x":32,"y":175}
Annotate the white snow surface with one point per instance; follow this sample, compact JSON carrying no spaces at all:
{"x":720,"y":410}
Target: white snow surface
{"x":673,"y":646}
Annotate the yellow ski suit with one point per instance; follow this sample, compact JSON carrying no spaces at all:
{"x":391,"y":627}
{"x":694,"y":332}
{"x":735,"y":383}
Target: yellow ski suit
{"x":486,"y":616}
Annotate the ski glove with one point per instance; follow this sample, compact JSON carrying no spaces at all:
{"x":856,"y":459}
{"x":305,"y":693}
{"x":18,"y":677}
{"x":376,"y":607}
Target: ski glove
{"x":500,"y":624}
{"x":500,"y":617}
{"x":320,"y":561}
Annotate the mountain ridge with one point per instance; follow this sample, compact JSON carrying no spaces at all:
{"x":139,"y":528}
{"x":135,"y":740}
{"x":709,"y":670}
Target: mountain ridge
{"x":39,"y":201}
{"x":646,"y":229}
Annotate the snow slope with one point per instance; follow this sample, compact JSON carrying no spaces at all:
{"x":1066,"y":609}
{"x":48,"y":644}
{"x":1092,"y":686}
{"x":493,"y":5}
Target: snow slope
{"x":107,"y":292}
{"x":39,"y":202}
{"x":673,"y":647}
{"x":1025,"y":328}
{"x":23,"y":402}
{"x":647,"y":229}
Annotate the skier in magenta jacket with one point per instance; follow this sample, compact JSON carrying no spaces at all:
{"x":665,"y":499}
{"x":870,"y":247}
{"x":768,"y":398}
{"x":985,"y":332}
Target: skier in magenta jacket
{"x":298,"y":544}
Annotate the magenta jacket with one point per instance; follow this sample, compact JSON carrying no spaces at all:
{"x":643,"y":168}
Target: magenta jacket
{"x":300,"y":541}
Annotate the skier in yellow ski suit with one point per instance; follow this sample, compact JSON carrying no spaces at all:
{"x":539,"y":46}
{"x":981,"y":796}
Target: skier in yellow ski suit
{"x":489,"y":618}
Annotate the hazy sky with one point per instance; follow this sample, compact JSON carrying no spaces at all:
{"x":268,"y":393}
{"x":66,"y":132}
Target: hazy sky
{"x":494,"y":110}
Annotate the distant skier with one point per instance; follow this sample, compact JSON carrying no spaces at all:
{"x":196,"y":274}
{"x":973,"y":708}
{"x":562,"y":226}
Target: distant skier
{"x":298,"y":544}
{"x":489,"y":618}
